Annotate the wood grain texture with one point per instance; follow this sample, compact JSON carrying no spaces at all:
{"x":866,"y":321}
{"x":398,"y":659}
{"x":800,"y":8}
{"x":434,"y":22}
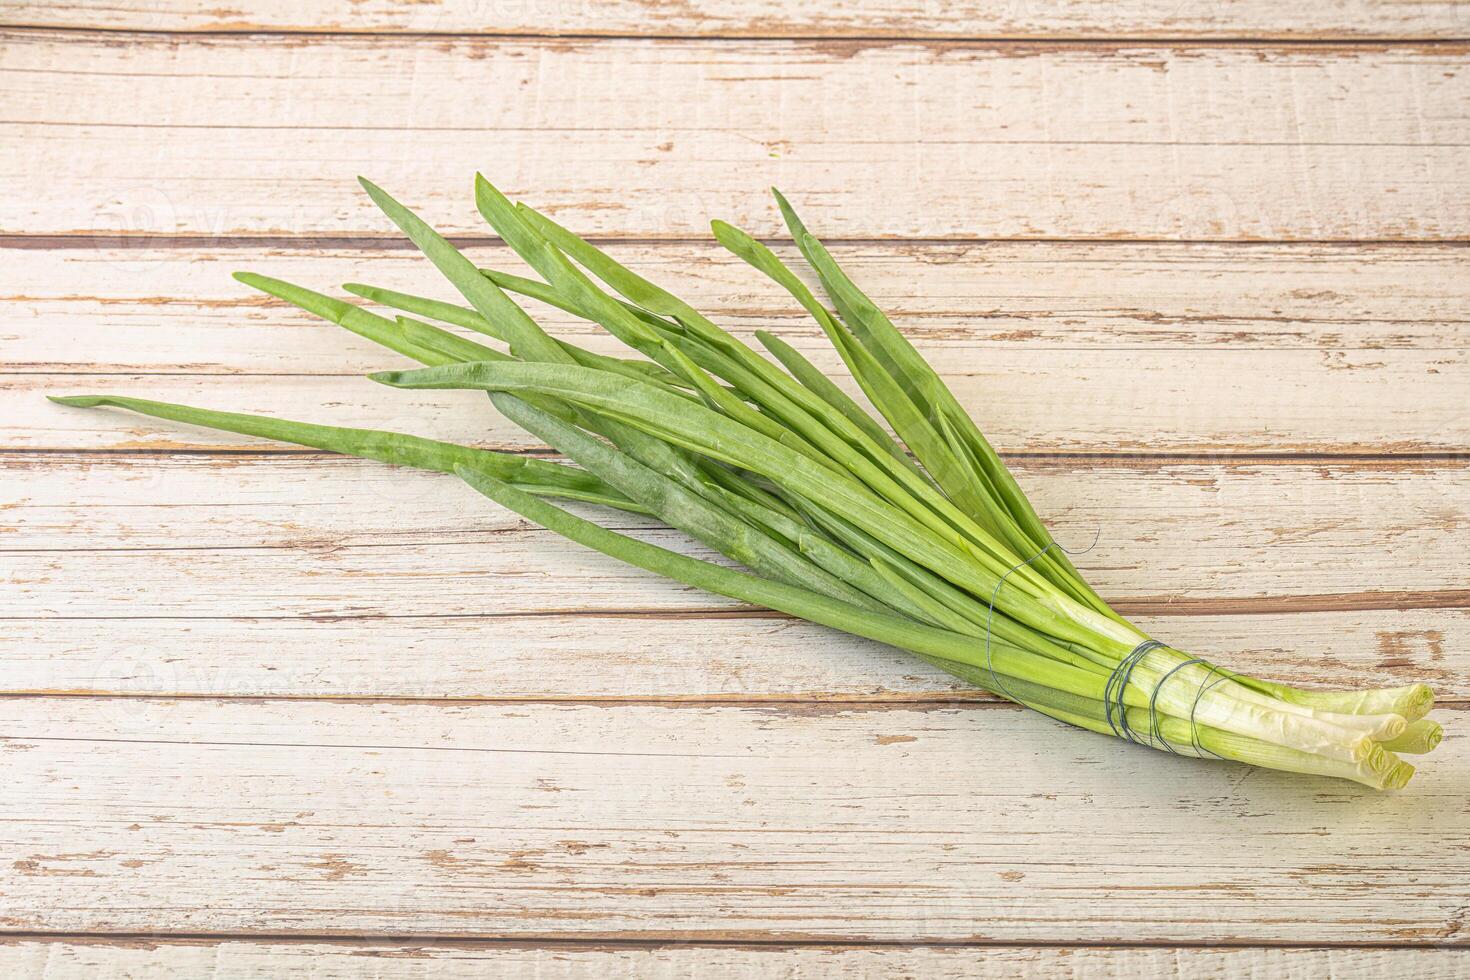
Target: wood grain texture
{"x":1031,"y":401}
{"x":694,"y":656}
{"x":449,"y":960}
{"x":352,"y":538}
{"x":1249,"y":348}
{"x":1067,"y":19}
{"x":170,"y":309}
{"x":273,"y":575}
{"x":279,"y":712}
{"x":230,"y":136}
{"x":662,"y":822}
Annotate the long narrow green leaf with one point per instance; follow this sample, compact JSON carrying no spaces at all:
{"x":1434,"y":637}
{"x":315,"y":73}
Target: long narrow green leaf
{"x":981,"y":614}
{"x":379,"y":330}
{"x":670,"y":332}
{"x":911,"y":425}
{"x":1007,"y":660}
{"x":953,"y":472}
{"x":887,"y":396}
{"x":805,"y":372}
{"x":545,"y":293}
{"x":787,"y":400}
{"x":830,"y":556}
{"x":731,"y":404}
{"x":449,"y":345}
{"x":627,"y":283}
{"x":731,"y":354}
{"x":977,"y":514}
{"x":423,"y":342}
{"x":527,"y":340}
{"x":825,"y":442}
{"x":724,"y":478}
{"x":388,"y":447}
{"x":861,"y":314}
{"x":930,"y":610}
{"x":650,"y":451}
{"x":540,"y":254}
{"x":717,"y":343}
{"x":697,"y":428}
{"x":878,"y":334}
{"x":463,"y":316}
{"x":705,"y":431}
{"x":434,"y":309}
{"x":929,"y":391}
{"x":795,"y":405}
{"x":678,"y":507}
{"x":559,"y":272}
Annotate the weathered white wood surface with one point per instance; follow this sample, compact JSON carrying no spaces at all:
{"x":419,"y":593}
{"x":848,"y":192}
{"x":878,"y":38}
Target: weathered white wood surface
{"x":1184,"y":534}
{"x":406,"y":577}
{"x":963,"y":823}
{"x":1266,"y":348}
{"x":1067,"y":19}
{"x":658,"y":656}
{"x":1259,"y":348}
{"x":230,"y":136}
{"x":254,"y":692}
{"x":452,"y":960}
{"x":141,"y":308}
{"x":1030,"y":400}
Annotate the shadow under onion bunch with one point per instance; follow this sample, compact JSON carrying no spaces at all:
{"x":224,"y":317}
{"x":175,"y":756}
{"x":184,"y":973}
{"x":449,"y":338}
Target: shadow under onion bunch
{"x":923,"y":541}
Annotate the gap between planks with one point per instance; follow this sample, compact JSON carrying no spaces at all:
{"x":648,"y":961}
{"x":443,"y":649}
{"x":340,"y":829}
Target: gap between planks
{"x":48,"y":957}
{"x":789,"y":705}
{"x":1273,"y":41}
{"x":1249,"y":21}
{"x":1120,"y":459}
{"x":1190,"y":193}
{"x":59,"y":241}
{"x":1404,"y":601}
{"x":451,"y":941}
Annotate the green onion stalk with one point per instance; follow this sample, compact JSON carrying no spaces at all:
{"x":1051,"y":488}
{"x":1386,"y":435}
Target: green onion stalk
{"x":909,"y":530}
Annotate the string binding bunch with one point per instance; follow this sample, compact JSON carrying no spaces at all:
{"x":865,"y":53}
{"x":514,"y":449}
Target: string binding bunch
{"x":1116,"y":687}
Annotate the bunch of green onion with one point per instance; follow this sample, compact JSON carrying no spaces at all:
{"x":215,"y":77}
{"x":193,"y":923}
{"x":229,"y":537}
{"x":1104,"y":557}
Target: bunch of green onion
{"x":921,"y":539}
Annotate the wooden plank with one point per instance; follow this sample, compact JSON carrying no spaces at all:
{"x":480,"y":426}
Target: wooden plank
{"x":1066,"y":19}
{"x":201,"y":538}
{"x":651,"y":656}
{"x":659,"y":822}
{"x":1186,"y":530}
{"x":1026,"y":400}
{"x":166,"y":576}
{"x":146,"y":310}
{"x":1260,"y":348}
{"x":645,"y":821}
{"x":59,"y":959}
{"x":873,"y":140}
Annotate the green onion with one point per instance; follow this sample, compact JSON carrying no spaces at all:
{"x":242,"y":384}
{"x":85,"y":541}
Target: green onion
{"x":914,"y":534}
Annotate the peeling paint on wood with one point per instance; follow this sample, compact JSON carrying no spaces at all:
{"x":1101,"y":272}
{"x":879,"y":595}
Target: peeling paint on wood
{"x":1066,"y":19}
{"x":421,"y":721}
{"x":139,"y":310}
{"x":719,"y":822}
{"x":163,"y":959}
{"x":996,"y":140}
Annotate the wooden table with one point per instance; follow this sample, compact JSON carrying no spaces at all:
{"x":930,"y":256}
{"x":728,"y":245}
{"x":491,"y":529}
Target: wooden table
{"x":1199,"y":270}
